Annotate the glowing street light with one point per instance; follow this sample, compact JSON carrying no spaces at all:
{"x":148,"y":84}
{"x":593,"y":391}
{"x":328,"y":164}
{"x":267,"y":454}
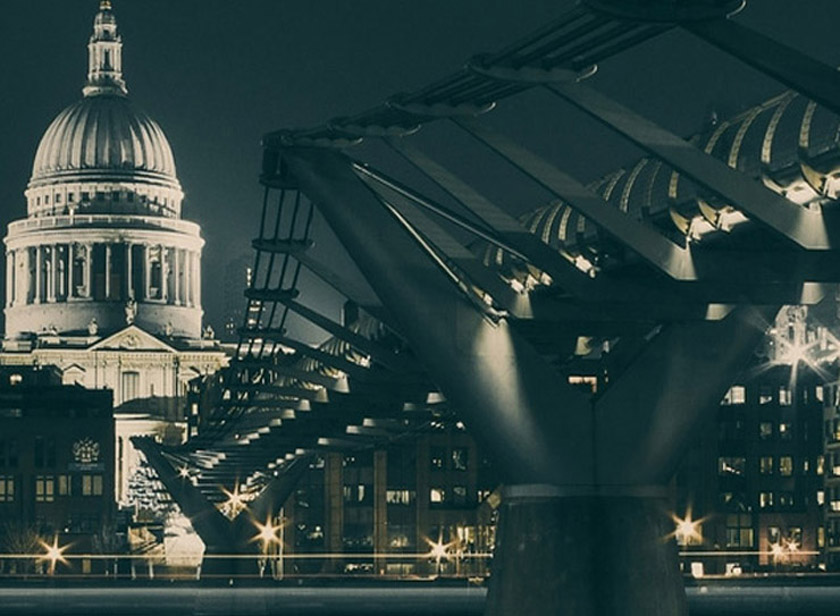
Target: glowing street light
{"x":439,"y":551}
{"x":687,"y":531}
{"x":184,"y":472}
{"x":54,"y":553}
{"x":235,"y":501}
{"x":267,"y":532}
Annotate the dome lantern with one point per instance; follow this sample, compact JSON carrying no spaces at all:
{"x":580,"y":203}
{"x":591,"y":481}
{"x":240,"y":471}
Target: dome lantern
{"x":105,"y":56}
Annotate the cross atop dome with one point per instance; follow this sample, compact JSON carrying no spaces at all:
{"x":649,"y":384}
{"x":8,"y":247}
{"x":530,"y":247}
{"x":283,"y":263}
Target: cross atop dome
{"x":105,"y":56}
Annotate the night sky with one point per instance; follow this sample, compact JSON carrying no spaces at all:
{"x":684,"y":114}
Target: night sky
{"x":217,"y":75}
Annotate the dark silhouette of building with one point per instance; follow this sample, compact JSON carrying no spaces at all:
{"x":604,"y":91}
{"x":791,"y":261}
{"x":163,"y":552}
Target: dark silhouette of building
{"x":56,"y":465}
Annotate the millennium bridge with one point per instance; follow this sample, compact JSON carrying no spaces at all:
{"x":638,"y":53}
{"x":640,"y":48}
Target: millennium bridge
{"x":668,"y":271}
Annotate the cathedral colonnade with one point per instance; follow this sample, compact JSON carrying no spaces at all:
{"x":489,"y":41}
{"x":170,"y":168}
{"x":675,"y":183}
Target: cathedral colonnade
{"x":149,"y":272}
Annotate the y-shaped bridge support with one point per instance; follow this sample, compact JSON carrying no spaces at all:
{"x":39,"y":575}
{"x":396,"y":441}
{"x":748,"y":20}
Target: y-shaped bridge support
{"x":227,"y":542}
{"x":583,"y":528}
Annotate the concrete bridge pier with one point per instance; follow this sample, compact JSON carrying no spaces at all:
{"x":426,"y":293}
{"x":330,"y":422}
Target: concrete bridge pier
{"x":565,"y":552}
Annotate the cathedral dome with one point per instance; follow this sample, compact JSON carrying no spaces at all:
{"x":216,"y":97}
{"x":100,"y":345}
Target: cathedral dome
{"x":103,"y":137}
{"x":103,"y":155}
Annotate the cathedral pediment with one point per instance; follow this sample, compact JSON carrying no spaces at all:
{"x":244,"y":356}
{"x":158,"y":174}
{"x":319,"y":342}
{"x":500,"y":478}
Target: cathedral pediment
{"x":132,"y":338}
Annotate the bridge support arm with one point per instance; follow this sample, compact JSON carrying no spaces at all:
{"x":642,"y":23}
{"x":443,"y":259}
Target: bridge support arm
{"x":511,"y":398}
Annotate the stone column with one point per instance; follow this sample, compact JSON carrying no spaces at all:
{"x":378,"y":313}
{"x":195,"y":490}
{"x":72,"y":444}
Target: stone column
{"x":147,"y":264}
{"x":71,"y":265}
{"x":176,"y":276}
{"x":164,"y":274}
{"x":52,"y":289}
{"x":37,"y":299}
{"x":129,"y":273}
{"x":196,"y":279}
{"x":107,"y":271}
{"x":188,"y":276}
{"x":88,"y":270}
{"x":10,"y":268}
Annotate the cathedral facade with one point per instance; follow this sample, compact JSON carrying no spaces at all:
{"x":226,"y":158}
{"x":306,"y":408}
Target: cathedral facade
{"x":103,"y":276}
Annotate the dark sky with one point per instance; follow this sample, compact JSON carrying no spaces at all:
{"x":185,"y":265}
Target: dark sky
{"x":218,"y":74}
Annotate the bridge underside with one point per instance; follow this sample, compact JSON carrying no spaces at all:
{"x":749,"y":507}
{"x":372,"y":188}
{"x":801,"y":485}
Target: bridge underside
{"x":660,"y":281}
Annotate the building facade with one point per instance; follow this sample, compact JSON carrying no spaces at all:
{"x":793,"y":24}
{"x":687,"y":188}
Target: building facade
{"x":103,"y":276}
{"x":56,"y":461}
{"x":751,"y":494}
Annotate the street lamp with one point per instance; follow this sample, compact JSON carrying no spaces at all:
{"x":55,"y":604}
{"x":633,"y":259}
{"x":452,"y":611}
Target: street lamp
{"x":53,"y":553}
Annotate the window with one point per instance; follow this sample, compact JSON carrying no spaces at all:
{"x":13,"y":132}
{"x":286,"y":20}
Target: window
{"x":44,"y":489}
{"x":437,"y":495}
{"x":399,"y":497}
{"x":739,"y":531}
{"x":731,"y":466}
{"x":765,"y":394}
{"x":44,"y":452}
{"x":821,"y":497}
{"x":785,"y":499}
{"x":795,"y":535}
{"x":786,"y":466}
{"x":765,"y":500}
{"x":774,"y":534}
{"x":7,"y":489}
{"x":785,"y":396}
{"x":820,"y":465}
{"x":818,"y":392}
{"x":460,"y":456}
{"x":737,"y":394}
{"x":65,"y":485}
{"x":92,"y":485}
{"x":130,"y":385}
{"x":765,"y":465}
{"x":786,"y":431}
{"x":821,"y":536}
{"x":459,"y":495}
{"x":765,"y":430}
{"x":437,"y":458}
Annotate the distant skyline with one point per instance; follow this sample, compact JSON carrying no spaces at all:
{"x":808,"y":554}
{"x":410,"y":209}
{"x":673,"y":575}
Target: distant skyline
{"x":218,"y":75}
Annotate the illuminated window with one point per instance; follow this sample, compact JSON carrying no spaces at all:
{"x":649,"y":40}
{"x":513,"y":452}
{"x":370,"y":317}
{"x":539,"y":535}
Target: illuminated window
{"x":765,"y":500}
{"x":785,"y":396}
{"x":821,"y":536}
{"x":460,"y":456}
{"x":765,"y":430}
{"x":437,"y":495}
{"x":15,"y":379}
{"x":44,"y":489}
{"x":7,"y":489}
{"x":587,"y":383}
{"x":785,"y":499}
{"x":795,"y":535}
{"x":399,"y":497}
{"x":819,"y":393}
{"x":786,"y":431}
{"x":65,"y":485}
{"x":737,"y":394}
{"x":774,"y":534}
{"x":731,"y":466}
{"x":821,"y":497}
{"x":739,"y":531}
{"x":820,"y":465}
{"x":786,"y":466}
{"x":92,"y":485}
{"x":765,"y":394}
{"x":437,"y":458}
{"x":765,"y":465}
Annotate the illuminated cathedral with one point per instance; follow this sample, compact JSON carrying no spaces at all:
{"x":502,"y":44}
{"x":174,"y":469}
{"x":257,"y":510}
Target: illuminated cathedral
{"x":103,"y":276}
